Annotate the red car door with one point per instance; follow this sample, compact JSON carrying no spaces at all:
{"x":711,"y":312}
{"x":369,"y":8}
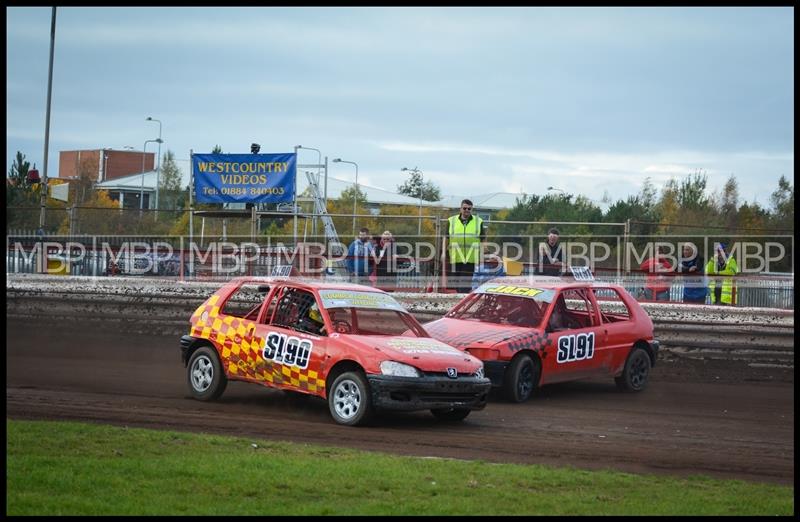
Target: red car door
{"x":576,"y":343}
{"x":292,"y":350}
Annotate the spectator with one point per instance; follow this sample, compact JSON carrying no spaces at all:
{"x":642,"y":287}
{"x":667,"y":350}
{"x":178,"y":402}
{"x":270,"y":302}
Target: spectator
{"x":551,"y":256}
{"x":358,"y":256}
{"x":657,"y":286}
{"x":691,"y":267}
{"x":721,"y":290}
{"x":386,"y":262}
{"x":463,"y":246}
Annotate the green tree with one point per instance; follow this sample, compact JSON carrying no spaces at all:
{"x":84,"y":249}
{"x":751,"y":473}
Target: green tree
{"x":782,"y":201}
{"x":216,"y":150}
{"x":20,"y":193}
{"x":416,"y":188}
{"x":169,"y":185}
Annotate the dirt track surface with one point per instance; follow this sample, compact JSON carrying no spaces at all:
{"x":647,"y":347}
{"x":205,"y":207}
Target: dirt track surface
{"x":697,"y":417}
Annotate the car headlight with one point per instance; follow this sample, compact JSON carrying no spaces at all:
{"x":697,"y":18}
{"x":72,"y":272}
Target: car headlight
{"x":479,"y":373}
{"x":398,"y":369}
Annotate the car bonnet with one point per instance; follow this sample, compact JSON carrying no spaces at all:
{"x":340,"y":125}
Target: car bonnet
{"x":461,"y":334}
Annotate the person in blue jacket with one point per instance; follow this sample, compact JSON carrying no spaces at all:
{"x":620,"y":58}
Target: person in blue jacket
{"x":358,"y":257}
{"x":692,"y":268}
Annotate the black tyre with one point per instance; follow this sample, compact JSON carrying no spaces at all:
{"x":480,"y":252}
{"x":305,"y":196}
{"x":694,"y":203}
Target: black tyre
{"x":637,"y":370}
{"x":451,"y":414}
{"x":206,"y":378}
{"x":349,"y":399}
{"x":521,"y":378}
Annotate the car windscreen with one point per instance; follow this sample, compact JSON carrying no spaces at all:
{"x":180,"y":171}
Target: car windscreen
{"x":373,"y":321}
{"x":501,"y":309}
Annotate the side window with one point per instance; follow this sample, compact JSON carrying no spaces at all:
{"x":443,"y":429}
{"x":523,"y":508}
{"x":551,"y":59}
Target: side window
{"x":612,"y":307}
{"x":273,"y":303}
{"x":246,"y":301}
{"x":579,"y":308}
{"x":298,"y":310}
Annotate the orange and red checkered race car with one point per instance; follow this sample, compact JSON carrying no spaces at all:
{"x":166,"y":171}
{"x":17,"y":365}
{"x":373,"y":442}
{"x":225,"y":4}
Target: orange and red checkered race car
{"x":354,"y":345}
{"x":535,"y":331}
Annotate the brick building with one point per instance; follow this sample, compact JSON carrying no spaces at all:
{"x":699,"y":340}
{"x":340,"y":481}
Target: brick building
{"x":109,"y":163}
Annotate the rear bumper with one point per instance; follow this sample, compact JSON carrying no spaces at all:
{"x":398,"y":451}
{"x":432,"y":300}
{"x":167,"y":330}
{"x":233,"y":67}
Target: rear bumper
{"x":186,"y":343}
{"x":654,"y":345}
{"x":425,"y":393}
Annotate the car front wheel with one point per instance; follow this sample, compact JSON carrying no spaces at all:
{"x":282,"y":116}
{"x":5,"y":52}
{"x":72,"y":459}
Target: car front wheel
{"x":206,"y":378}
{"x":349,"y":399}
{"x":637,"y":370}
{"x":522,"y":377}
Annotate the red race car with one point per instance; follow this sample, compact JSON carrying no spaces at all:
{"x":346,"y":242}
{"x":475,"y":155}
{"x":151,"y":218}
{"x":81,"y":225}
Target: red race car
{"x":535,"y":331}
{"x":354,"y":345}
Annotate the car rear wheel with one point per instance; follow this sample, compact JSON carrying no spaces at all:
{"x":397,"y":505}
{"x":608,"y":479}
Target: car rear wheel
{"x":637,"y":370}
{"x":206,"y":379}
{"x":349,"y":399}
{"x":522,"y":377}
{"x":450,"y":414}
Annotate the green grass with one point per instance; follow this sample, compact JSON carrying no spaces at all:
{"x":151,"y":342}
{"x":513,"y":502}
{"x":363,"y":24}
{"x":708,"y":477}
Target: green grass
{"x":64,"y":468}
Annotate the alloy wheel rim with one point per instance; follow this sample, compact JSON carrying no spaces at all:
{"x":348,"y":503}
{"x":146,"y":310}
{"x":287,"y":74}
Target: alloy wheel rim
{"x":347,"y":399}
{"x":202,"y":373}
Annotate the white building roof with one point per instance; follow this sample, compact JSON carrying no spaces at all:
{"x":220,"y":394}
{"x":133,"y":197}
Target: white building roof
{"x":130,"y":183}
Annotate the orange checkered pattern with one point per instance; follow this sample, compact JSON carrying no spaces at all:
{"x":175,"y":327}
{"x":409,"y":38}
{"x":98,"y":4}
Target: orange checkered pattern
{"x":242,"y":358}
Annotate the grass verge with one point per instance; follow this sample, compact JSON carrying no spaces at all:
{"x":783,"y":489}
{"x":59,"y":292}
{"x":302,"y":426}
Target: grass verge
{"x":66,"y":468}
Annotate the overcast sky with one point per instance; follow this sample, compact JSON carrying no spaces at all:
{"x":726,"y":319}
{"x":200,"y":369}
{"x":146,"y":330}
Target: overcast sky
{"x":481,"y":100}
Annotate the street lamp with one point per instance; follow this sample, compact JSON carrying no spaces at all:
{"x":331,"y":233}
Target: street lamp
{"x":158,"y":164}
{"x":415,"y":170}
{"x":558,"y":189}
{"x":355,"y":194}
{"x":144,"y":153}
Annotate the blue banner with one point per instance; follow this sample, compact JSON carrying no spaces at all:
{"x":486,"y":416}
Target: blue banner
{"x":244,"y":178}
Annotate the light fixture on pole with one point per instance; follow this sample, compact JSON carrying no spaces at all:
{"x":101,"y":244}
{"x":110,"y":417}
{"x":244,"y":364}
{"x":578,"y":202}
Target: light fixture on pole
{"x":355,"y":194}
{"x":558,"y":189}
{"x":413,"y":171}
{"x":158,"y":160}
{"x":144,"y":153}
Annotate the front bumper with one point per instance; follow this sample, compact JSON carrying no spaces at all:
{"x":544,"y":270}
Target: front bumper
{"x":428,"y":392}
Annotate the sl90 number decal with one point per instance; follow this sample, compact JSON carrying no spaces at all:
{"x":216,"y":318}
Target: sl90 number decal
{"x":575,"y":347}
{"x":288,"y":350}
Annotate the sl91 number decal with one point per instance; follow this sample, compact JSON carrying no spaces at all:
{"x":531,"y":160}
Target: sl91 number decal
{"x":575,"y":347}
{"x":288,"y":350}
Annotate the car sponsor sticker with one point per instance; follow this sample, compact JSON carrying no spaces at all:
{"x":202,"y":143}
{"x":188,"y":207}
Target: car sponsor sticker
{"x":576,"y":347}
{"x":412,"y":346}
{"x":355,"y":299}
{"x":287,"y":350}
{"x":537,"y":294}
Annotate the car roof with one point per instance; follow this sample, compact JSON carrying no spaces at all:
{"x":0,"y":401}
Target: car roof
{"x":307,"y":283}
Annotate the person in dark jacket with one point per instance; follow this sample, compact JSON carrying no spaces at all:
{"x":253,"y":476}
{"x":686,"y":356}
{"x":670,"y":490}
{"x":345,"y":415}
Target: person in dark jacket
{"x":551,"y":255}
{"x":691,"y":268}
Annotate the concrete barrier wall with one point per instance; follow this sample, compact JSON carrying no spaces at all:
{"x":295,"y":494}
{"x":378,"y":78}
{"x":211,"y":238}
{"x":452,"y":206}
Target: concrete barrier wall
{"x":164,"y":307}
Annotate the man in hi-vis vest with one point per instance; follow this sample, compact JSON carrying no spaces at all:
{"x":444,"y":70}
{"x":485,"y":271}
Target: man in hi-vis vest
{"x":462,"y":245}
{"x":721,"y":289}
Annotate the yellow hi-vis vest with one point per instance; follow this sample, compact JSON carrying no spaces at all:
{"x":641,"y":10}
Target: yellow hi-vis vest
{"x":731,"y":268}
{"x":464,"y":240}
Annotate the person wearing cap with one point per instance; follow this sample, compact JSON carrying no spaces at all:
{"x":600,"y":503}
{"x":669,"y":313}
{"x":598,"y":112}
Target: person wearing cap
{"x":721,"y":290}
